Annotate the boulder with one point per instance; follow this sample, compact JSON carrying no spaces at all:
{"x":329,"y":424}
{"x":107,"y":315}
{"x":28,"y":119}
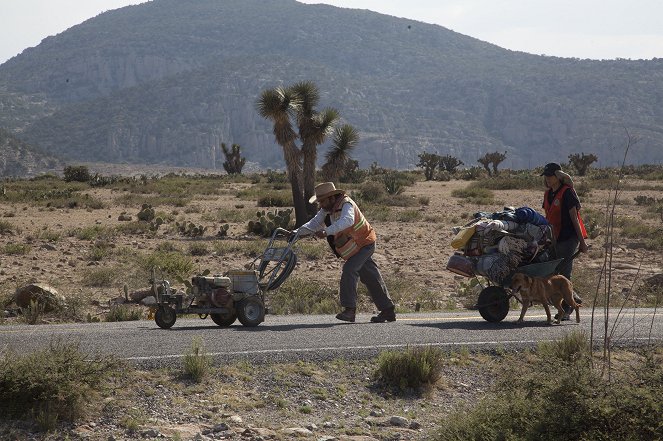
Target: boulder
{"x":40,"y":292}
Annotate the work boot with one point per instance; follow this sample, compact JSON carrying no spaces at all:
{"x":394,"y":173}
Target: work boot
{"x":348,"y":315}
{"x":386,"y":315}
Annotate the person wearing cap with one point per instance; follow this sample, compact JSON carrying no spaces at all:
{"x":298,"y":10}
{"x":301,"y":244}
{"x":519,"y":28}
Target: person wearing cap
{"x":562,"y":207}
{"x":353,"y":239}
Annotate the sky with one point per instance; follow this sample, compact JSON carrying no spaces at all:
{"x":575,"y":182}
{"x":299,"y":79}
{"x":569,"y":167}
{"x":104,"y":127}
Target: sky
{"x":594,"y":29}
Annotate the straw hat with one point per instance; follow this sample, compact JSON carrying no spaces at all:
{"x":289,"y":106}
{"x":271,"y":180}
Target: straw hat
{"x":324,"y":190}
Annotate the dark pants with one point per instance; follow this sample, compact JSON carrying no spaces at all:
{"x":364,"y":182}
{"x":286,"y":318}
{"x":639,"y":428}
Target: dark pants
{"x":566,"y":249}
{"x":362,"y":267}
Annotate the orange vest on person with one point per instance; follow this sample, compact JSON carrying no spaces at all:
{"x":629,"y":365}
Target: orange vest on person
{"x":554,"y":212}
{"x":349,"y":241}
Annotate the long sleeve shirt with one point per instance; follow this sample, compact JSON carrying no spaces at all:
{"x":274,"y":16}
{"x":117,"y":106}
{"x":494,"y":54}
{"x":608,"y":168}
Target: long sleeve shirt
{"x":346,"y":220}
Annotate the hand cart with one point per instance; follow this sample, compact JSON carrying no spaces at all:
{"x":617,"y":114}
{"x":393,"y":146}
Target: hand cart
{"x":493,"y":301}
{"x":235,"y":294}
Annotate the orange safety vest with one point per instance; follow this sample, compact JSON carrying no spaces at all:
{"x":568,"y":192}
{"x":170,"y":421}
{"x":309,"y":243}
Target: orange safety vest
{"x":349,"y":241}
{"x":554,"y":212}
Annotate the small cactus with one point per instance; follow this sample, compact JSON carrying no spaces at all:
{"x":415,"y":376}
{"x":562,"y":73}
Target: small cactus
{"x":223,"y":230}
{"x":268,"y":221}
{"x":146,"y":214}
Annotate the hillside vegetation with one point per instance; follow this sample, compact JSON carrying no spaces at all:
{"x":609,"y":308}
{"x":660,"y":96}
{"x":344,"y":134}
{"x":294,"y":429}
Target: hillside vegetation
{"x":167,"y":81}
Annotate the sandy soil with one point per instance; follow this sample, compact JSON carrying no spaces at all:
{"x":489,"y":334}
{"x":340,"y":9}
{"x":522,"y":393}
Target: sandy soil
{"x":414,"y":253}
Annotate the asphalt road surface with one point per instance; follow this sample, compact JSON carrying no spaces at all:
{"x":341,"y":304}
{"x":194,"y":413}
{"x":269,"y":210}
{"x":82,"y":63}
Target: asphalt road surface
{"x":319,"y":337}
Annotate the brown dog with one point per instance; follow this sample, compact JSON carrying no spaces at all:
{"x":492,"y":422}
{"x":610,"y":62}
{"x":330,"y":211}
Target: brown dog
{"x":549,"y":290}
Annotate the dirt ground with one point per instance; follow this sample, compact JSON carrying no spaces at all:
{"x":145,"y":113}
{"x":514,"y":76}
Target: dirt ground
{"x":413,"y":252}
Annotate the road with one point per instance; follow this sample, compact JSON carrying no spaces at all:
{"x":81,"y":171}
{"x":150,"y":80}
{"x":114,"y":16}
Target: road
{"x":318,"y":337}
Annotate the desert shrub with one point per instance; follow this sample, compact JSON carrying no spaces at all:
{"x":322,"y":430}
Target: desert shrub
{"x":167,"y":246}
{"x":6,"y":227}
{"x":196,"y":362}
{"x":505,"y":181}
{"x":312,"y":250}
{"x":574,"y":347}
{"x":471,"y":174}
{"x":235,"y":215}
{"x":48,"y":235}
{"x":198,"y":249}
{"x":652,"y":236}
{"x":98,"y":277}
{"x":413,"y":368}
{"x":396,"y":181}
{"x":98,"y":253}
{"x":124,"y":313}
{"x":370,"y":191}
{"x":275,"y":199}
{"x":409,"y":216}
{"x":92,"y":233}
{"x":78,"y":173}
{"x":583,"y":189}
{"x":57,"y":383}
{"x":248,"y":248}
{"x":591,"y":406}
{"x":443,"y":175}
{"x":172,"y":264}
{"x":475,"y":195}
{"x":400,"y":200}
{"x":276,"y":177}
{"x":594,"y":221}
{"x":136,"y":228}
{"x":16,"y":249}
{"x":303,"y":296}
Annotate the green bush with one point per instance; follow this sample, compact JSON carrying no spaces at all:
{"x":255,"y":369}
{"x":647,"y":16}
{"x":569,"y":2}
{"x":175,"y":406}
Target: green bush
{"x":303,"y":296}
{"x":173,"y":264}
{"x":57,"y":383}
{"x":16,"y":249}
{"x":559,"y":381}
{"x":475,"y":195}
{"x":413,"y":368}
{"x":505,"y":181}
{"x":198,"y":249}
{"x":371,"y":191}
{"x":196,"y":362}
{"x":6,"y":227}
{"x":99,"y":277}
{"x":124,"y":313}
{"x":275,"y":199}
{"x":76,"y":173}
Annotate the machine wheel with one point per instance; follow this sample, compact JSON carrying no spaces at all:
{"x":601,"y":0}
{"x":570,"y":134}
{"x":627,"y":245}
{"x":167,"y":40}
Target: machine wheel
{"x":493,"y":304}
{"x":224,"y":319}
{"x":250,"y":311}
{"x":165,"y":317}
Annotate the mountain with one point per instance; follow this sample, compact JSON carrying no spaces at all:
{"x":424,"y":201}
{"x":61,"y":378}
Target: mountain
{"x":18,"y":159}
{"x":166,"y":81}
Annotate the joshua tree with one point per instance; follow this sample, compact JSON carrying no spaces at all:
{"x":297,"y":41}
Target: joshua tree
{"x":429,"y":162}
{"x":278,"y":105}
{"x":314,"y":127}
{"x":581,"y":162}
{"x":344,"y":141}
{"x":494,"y":158}
{"x":234,"y":161}
{"x":450,"y":163}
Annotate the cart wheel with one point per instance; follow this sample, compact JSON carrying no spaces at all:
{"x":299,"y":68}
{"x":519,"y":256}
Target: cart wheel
{"x":223,"y":319}
{"x":165,"y":317}
{"x":251,"y":311}
{"x":493,"y":304}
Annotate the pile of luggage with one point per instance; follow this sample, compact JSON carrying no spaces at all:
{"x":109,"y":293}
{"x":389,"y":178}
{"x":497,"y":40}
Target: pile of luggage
{"x":494,"y":245}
